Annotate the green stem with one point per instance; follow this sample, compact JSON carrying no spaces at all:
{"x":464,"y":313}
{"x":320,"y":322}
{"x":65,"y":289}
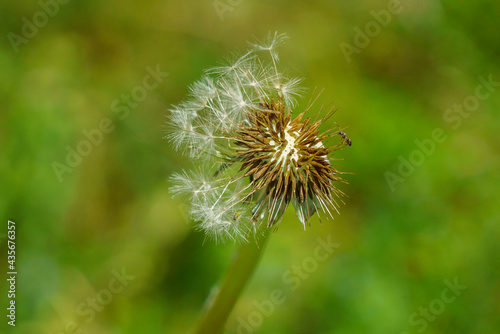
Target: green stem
{"x":221,"y":302}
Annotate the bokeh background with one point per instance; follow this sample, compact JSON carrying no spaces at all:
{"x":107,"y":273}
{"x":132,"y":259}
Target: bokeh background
{"x":113,"y":210}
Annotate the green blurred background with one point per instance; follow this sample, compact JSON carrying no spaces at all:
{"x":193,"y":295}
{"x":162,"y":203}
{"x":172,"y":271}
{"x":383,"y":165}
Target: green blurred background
{"x":113,"y":210}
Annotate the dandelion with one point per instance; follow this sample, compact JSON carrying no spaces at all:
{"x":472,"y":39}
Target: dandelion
{"x":258,"y":153}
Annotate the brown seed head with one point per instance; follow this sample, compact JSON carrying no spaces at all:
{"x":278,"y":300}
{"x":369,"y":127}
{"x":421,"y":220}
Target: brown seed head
{"x":286,"y":161}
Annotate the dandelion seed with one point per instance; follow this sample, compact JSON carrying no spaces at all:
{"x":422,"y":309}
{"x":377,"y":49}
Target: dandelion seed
{"x":232,"y":65}
{"x":257,"y":158}
{"x":270,"y":43}
{"x":202,"y":92}
{"x":179,"y":127}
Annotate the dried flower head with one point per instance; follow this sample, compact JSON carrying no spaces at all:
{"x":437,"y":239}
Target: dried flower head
{"x":256,"y":159}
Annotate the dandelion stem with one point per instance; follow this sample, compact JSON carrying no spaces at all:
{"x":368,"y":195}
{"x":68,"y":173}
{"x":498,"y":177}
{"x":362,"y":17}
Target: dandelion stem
{"x":223,"y":298}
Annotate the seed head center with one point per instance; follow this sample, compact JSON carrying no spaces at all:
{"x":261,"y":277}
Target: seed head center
{"x":289,"y":149}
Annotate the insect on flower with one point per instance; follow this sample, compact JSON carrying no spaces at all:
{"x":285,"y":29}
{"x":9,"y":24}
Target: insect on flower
{"x":255,"y":157}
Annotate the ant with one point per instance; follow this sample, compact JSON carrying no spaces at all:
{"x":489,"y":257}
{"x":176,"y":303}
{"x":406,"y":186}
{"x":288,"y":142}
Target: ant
{"x":344,"y":136}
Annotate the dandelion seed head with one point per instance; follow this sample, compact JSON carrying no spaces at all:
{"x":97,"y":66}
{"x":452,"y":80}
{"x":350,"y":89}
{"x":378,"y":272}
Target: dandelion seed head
{"x":257,"y":159}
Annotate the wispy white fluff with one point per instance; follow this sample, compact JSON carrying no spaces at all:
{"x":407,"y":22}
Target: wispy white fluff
{"x":270,"y":43}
